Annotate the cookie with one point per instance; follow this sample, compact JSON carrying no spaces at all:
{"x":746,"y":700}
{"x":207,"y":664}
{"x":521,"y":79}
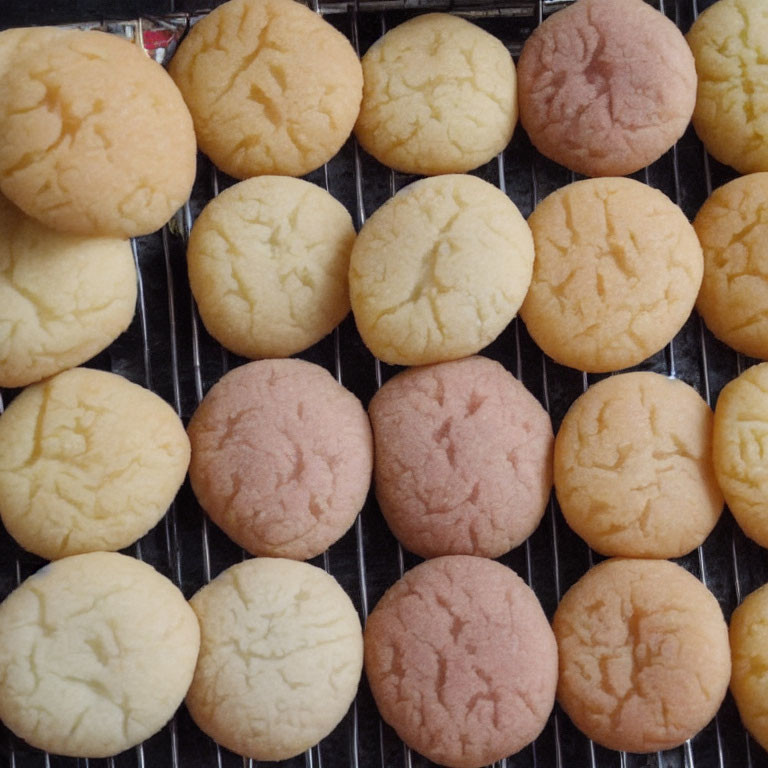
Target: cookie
{"x":281,"y":655}
{"x":439,"y":270}
{"x":618,"y":267}
{"x":282,"y":457}
{"x":644,"y":656}
{"x":439,"y":96}
{"x":732,"y":226}
{"x":606,"y":86}
{"x":88,"y":461}
{"x":463,"y":458}
{"x":97,"y":651}
{"x":461,"y":661}
{"x":96,"y":137}
{"x":729,"y":45}
{"x":272,"y":87}
{"x":63,"y":298}
{"x":268,"y":261}
{"x":633,"y":467}
{"x":738,"y":451}
{"x":749,"y":652}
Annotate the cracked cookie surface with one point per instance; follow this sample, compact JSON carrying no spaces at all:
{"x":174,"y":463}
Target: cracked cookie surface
{"x":96,"y":654}
{"x":461,"y":661}
{"x":633,"y":467}
{"x":439,"y":270}
{"x":644,"y":655}
{"x":732,"y":226}
{"x":618,"y":267}
{"x":88,"y":461}
{"x":268,"y":261}
{"x":97,"y":139}
{"x":63,"y":298}
{"x":463,"y":458}
{"x":272,"y":87}
{"x":439,"y":96}
{"x":282,"y":457}
{"x":606,"y":86}
{"x":738,"y":450}
{"x":729,"y":41}
{"x":281,"y":655}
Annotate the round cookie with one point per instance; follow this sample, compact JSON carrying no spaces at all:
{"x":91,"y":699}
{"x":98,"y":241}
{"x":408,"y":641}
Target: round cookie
{"x":96,"y":653}
{"x":439,"y":270}
{"x":461,"y":661}
{"x":618,"y":267}
{"x":732,"y":226}
{"x":281,"y":655}
{"x":282,"y":457}
{"x":606,"y":86}
{"x":633,"y":467}
{"x":462,"y":460}
{"x":738,"y":451}
{"x":63,"y":298}
{"x":729,"y":41}
{"x":644,"y":656}
{"x":272,"y":87}
{"x":96,"y":137}
{"x":268,"y":262}
{"x":439,"y":96}
{"x":88,"y":461}
{"x":749,"y":653}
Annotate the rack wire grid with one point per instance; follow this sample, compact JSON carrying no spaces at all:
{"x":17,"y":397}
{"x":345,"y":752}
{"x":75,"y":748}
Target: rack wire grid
{"x":167,"y":350}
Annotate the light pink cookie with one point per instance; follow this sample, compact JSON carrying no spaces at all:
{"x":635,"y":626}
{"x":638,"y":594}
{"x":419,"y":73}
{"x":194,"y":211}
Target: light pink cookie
{"x":461,"y":661}
{"x":281,"y":457}
{"x":463,"y":458}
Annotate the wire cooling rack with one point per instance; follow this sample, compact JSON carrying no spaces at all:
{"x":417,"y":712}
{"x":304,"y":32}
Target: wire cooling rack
{"x":167,"y":350}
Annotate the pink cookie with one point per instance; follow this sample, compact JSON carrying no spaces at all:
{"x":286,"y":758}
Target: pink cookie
{"x":281,"y":457}
{"x":461,"y":661}
{"x":463,"y":458}
{"x":606,"y":86}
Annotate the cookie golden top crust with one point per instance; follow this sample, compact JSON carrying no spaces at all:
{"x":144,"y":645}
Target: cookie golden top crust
{"x":618,"y":267}
{"x":96,"y":137}
{"x":439,"y":96}
{"x":272,"y":87}
{"x":730,"y":44}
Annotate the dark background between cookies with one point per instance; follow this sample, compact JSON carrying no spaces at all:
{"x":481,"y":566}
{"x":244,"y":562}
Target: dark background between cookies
{"x":167,"y":350}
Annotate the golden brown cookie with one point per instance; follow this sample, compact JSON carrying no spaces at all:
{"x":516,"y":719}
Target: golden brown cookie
{"x":732,"y":226}
{"x":633,"y":467}
{"x":272,"y":87}
{"x":268,"y":262}
{"x":729,"y":41}
{"x":439,"y":96}
{"x":644,"y":656}
{"x":618,"y":267}
{"x":439,"y":270}
{"x":96,"y":137}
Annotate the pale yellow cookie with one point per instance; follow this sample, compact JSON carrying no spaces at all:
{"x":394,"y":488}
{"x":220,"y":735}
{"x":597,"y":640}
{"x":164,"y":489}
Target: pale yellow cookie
{"x":738,"y":449}
{"x":280,"y":657}
{"x":732,"y":226}
{"x":439,"y":270}
{"x":268,"y":262}
{"x":63,"y":298}
{"x":96,"y":137}
{"x":618,"y":267}
{"x":749,"y":652}
{"x":633,"y":467}
{"x":88,"y":461}
{"x":730,"y":45}
{"x":272,"y":87}
{"x":97,"y":652}
{"x":439,"y":96}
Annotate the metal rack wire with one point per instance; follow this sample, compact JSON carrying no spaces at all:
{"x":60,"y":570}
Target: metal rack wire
{"x":167,"y":350}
